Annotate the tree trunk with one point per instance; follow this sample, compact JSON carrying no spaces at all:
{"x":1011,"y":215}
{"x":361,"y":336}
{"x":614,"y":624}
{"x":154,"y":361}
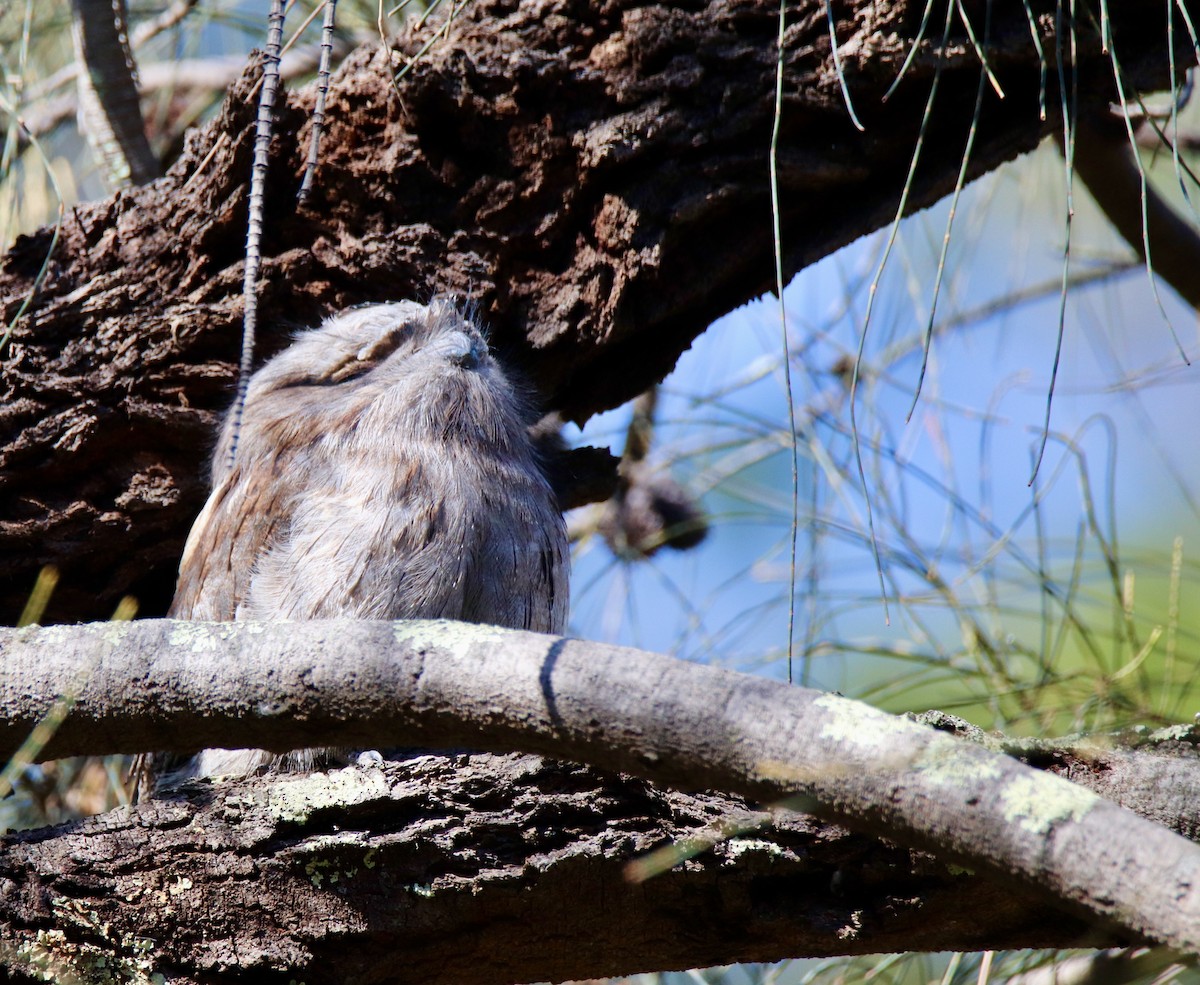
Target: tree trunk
{"x":594,"y":175}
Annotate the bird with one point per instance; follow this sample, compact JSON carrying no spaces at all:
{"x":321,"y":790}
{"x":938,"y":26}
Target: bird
{"x":382,"y":468}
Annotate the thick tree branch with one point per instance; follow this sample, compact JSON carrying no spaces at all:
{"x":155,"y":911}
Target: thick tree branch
{"x":479,"y":870}
{"x":445,"y":685}
{"x":1106,"y":163}
{"x":110,"y":111}
{"x":593,"y":174}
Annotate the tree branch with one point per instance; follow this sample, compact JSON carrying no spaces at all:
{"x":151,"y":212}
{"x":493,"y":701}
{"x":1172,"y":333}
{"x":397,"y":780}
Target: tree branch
{"x":594,"y":175}
{"x":479,"y":870}
{"x":1107,"y":165}
{"x":110,"y":113}
{"x":446,"y":685}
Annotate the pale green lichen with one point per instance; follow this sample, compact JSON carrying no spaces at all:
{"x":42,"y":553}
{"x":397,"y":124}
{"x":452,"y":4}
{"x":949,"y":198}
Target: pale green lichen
{"x":1034,"y":802}
{"x":114,"y":633}
{"x":323,"y":865}
{"x":294,"y":798}
{"x":949,"y":763}
{"x":208,"y":637}
{"x":40,"y":958}
{"x":316,"y":869}
{"x":868,"y":738}
{"x":455,"y":637}
{"x":881,"y":742}
{"x":54,"y":958}
{"x":1037,"y":803}
{"x":1174,"y":733}
{"x":860,"y":725}
{"x":740,"y":846}
{"x":52,"y":639}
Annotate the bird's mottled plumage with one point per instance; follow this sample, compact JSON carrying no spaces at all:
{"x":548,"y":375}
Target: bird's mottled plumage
{"x":383,"y":471}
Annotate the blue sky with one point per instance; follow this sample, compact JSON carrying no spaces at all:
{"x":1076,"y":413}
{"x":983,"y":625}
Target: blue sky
{"x":956,"y":475}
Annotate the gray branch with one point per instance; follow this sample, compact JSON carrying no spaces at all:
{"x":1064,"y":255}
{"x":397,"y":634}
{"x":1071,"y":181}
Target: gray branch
{"x":162,"y":684}
{"x":110,"y":113}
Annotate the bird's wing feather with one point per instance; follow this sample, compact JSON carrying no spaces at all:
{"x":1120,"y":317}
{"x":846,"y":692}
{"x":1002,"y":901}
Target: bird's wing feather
{"x":244,"y":515}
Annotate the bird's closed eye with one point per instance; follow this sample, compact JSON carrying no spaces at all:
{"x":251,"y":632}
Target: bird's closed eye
{"x":367,"y":357}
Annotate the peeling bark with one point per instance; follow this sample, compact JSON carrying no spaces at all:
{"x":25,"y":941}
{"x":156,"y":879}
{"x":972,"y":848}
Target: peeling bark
{"x":593,"y":174}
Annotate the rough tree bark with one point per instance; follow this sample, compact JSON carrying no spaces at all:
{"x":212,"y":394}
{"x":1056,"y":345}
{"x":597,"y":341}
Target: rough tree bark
{"x":481,"y":868}
{"x":593,"y":174}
